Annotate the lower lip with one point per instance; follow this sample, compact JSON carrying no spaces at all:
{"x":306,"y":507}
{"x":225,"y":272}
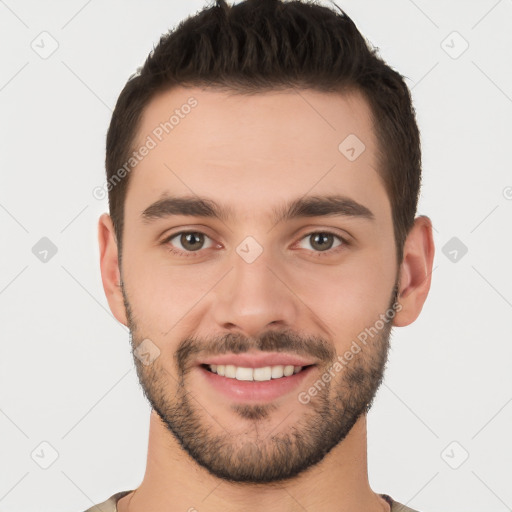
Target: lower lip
{"x":255,"y":391}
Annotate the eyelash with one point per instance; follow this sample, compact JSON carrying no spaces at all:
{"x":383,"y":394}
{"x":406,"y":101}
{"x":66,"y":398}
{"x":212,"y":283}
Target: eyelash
{"x":189,"y":254}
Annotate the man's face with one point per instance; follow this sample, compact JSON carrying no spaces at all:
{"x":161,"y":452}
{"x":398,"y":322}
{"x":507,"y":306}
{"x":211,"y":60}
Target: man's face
{"x":299,"y":290}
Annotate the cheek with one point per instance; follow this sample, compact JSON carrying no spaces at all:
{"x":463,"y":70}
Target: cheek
{"x":347,"y":296}
{"x":350,"y":298}
{"x":162,"y":294}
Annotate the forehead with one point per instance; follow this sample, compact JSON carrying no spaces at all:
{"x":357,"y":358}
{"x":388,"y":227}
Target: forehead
{"x":255,"y":150}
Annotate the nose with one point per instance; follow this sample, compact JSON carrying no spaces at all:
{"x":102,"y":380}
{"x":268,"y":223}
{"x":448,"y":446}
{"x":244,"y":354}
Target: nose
{"x":255,"y":297}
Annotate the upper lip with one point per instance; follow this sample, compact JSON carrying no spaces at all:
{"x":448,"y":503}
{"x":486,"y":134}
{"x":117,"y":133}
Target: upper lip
{"x":258,"y":360}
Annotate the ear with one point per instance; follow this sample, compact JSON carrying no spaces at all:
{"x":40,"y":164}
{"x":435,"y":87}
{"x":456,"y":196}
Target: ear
{"x":109,"y":264}
{"x":415,"y":271}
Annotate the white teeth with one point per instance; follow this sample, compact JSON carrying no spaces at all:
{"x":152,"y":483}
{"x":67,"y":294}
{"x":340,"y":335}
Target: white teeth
{"x":288,"y":370}
{"x":244,"y":373}
{"x":277,"y":372}
{"x":230,"y":371}
{"x":259,"y":374}
{"x":264,"y":373}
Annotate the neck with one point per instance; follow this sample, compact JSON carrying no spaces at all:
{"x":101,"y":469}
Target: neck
{"x":339,"y":483}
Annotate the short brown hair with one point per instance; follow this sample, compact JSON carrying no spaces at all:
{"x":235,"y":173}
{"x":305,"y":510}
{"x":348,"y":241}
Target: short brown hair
{"x":261,"y":45}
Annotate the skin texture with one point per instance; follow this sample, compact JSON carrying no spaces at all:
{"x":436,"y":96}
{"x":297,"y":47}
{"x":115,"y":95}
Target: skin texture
{"x":252,"y":153}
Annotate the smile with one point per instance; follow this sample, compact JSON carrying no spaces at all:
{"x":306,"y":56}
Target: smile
{"x":253,"y":385}
{"x":256,"y":374}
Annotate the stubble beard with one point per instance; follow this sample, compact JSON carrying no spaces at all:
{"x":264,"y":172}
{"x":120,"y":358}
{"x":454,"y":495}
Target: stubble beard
{"x":251,"y":455}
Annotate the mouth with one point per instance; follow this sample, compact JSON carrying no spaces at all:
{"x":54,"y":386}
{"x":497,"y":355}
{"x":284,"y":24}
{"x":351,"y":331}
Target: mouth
{"x":259,"y":374}
{"x":254,"y":378}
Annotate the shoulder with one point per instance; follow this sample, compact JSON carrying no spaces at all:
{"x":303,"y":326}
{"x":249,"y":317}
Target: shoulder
{"x":109,"y":505}
{"x":396,"y":506}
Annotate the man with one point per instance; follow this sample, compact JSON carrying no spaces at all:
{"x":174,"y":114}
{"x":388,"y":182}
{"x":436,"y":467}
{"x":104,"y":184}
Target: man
{"x":263,"y":169}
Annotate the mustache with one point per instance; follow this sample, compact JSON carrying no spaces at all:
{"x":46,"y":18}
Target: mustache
{"x":236,"y":343}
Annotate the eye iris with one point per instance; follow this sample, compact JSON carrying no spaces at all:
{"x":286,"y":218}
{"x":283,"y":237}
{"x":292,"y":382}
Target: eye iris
{"x":189,"y":241}
{"x":322,"y":245}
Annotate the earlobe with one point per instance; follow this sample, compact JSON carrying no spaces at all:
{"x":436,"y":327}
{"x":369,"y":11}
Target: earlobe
{"x":109,"y":264}
{"x":415,"y":271}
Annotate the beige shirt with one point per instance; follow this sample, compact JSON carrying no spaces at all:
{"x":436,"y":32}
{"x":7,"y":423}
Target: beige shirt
{"x":111,"y":504}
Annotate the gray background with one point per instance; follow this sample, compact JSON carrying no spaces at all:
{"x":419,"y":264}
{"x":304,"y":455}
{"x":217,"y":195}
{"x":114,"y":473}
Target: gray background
{"x":438,"y":431}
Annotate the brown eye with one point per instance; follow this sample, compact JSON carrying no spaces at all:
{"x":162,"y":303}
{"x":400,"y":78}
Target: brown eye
{"x":192,"y":241}
{"x":187,"y":242}
{"x":322,"y":241}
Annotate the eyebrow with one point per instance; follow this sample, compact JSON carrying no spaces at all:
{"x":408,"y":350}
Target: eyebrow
{"x":310,"y":206}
